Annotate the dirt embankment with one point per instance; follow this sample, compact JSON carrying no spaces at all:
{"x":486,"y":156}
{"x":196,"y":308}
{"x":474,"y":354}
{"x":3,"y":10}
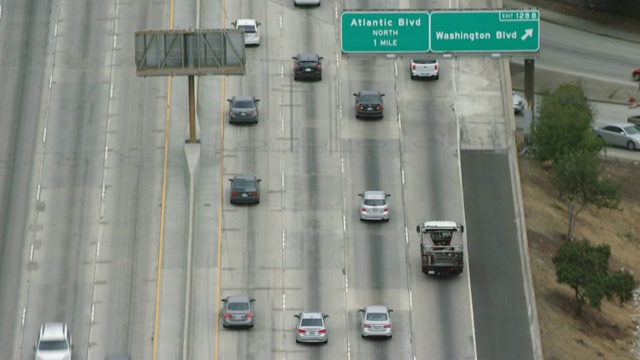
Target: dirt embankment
{"x":604,"y":334}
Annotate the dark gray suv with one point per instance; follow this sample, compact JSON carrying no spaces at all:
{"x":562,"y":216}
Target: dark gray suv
{"x":307,"y":66}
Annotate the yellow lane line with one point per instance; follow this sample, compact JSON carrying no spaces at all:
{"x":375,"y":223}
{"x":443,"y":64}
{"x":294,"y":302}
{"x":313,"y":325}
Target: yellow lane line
{"x":164,"y":198}
{"x":220,"y":197}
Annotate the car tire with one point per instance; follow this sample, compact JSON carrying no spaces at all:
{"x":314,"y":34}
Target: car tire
{"x":295,"y":78}
{"x":362,"y":336}
{"x":631,"y":146}
{"x":413,"y":77}
{"x":297,"y":341}
{"x":251,"y":326}
{"x":437,"y":76}
{"x":636,"y":77}
{"x":320,"y":78}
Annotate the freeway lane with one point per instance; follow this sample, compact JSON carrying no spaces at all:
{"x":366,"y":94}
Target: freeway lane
{"x":89,"y":138}
{"x":25,"y":69}
{"x":377,"y":257}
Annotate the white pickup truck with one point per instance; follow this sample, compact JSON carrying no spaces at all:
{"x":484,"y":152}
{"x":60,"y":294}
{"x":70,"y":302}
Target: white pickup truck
{"x":424,"y":68}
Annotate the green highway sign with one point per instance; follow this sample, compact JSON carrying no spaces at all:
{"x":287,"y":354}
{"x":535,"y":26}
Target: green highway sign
{"x":385,"y":32}
{"x":485,"y":31}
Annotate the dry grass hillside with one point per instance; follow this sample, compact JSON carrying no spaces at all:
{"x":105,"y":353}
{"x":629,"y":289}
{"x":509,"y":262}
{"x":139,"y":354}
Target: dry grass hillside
{"x":604,"y":334}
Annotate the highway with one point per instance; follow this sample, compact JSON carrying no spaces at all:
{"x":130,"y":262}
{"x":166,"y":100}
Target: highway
{"x":303,"y":248}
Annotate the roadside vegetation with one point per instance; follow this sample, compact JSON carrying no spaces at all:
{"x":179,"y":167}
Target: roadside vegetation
{"x":566,"y":154}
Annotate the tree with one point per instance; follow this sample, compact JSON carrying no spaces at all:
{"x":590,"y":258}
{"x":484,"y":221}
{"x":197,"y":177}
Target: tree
{"x":579,"y":179}
{"x":585,"y":269}
{"x":564,"y":124}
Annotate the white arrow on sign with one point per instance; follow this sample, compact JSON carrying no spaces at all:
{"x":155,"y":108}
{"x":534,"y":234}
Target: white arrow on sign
{"x":527,"y":33}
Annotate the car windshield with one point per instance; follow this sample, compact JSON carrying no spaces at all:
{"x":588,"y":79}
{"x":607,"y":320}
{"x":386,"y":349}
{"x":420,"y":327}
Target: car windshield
{"x":369,"y":98}
{"x":53,"y":345}
{"x":311,"y":322}
{"x":632,"y":129}
{"x":238,"y":306}
{"x":377,"y":316}
{"x":244,"y":184}
{"x":243,"y":104}
{"x":374,"y":202}
{"x":247,"y":28}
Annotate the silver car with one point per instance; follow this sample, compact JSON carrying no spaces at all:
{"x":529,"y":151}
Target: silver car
{"x":243,"y":109}
{"x":374,"y":206}
{"x":311,"y":327}
{"x":238,"y":311}
{"x":376,"y":321}
{"x":621,"y":134}
{"x":518,"y":102}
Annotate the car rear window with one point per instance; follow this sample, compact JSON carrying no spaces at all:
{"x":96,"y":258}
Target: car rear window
{"x":377,"y":316}
{"x":311,"y":322}
{"x":238,"y":306}
{"x":424,"y":61}
{"x":307,"y":63}
{"x":244,"y":184}
{"x":248,"y":28}
{"x":369,"y":98}
{"x":243,"y":104}
{"x":374,"y":202}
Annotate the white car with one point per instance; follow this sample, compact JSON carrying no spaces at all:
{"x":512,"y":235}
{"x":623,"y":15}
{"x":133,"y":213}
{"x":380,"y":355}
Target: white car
{"x":54,"y":342}
{"x":251,"y":29}
{"x":424,"y":69}
{"x":376,"y":321}
{"x":374,"y":205}
{"x":518,"y":102}
{"x":306,"y":2}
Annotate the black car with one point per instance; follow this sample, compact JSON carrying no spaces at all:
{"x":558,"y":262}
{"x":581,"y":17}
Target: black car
{"x":369,"y":104}
{"x":307,"y":66}
{"x":243,"y":109}
{"x":245,"y":189}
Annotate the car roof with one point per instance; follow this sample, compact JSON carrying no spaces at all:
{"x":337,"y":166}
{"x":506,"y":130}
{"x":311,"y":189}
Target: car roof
{"x":374,"y":195}
{"x":238,"y":299}
{"x":53,"y":331}
{"x":620,"y":124}
{"x":311,"y":315}
{"x":439,"y":224}
{"x":242,"y":98}
{"x":307,"y":57}
{"x":376,"y":309}
{"x":246,"y":22}
{"x":245,"y":177}
{"x":369,"y":92}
